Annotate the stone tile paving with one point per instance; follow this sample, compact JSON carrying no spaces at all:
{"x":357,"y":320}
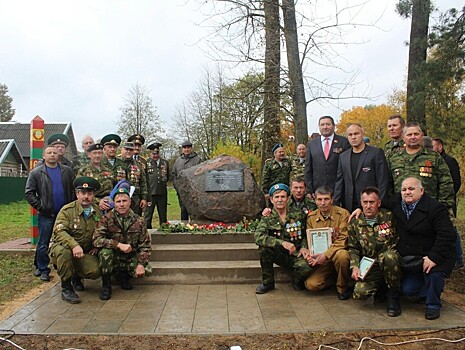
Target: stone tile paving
{"x":213,"y":309}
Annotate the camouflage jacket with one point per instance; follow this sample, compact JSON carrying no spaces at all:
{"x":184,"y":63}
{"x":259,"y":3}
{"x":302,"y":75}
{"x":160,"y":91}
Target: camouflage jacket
{"x":273,"y":173}
{"x":429,"y":167}
{"x":307,"y":205}
{"x":118,"y":168}
{"x":72,"y":228}
{"x":338,"y":220}
{"x":372,"y":242}
{"x":390,"y":148}
{"x":136,"y":175}
{"x":103,"y":175}
{"x":79,"y":161}
{"x":298,"y":167}
{"x":114,"y":229}
{"x":271,"y":232}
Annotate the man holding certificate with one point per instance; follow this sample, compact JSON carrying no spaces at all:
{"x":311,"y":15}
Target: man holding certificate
{"x":373,"y":236}
{"x":281,"y":240}
{"x":327,"y":241}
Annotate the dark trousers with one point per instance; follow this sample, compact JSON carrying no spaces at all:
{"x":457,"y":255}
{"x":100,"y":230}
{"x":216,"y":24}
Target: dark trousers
{"x":184,"y":213}
{"x":45,"y":225}
{"x":458,"y":247}
{"x":161,"y":202}
{"x":425,"y":285}
{"x":280,"y":256}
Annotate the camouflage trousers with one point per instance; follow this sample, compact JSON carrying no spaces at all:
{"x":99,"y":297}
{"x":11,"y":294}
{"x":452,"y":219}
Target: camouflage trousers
{"x":280,"y":256}
{"x":112,"y":260}
{"x":386,"y":271}
{"x":67,"y":265}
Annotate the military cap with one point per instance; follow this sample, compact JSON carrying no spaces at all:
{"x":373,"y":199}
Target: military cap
{"x":137,"y":139}
{"x":154,"y":146}
{"x":129,"y":145}
{"x":275,"y":147}
{"x":111,"y":139}
{"x":86,"y":183}
{"x":278,"y":187}
{"x":94,"y":147}
{"x":121,"y":190}
{"x":186,"y":143}
{"x":57,"y":139}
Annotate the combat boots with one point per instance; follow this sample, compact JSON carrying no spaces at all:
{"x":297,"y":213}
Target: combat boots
{"x":105,"y":293}
{"x":68,"y":294}
{"x":393,"y":308}
{"x":125,"y":284}
{"x":76,"y":281}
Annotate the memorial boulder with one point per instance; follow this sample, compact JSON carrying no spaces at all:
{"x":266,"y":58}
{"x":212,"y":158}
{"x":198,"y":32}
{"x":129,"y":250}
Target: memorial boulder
{"x":220,"y":189}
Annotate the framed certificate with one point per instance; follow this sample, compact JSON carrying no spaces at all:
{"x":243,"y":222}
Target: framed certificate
{"x":319,"y":239}
{"x":365,"y":266}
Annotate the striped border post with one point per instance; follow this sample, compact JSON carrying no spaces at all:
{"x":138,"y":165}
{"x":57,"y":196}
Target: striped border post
{"x":37,"y":145}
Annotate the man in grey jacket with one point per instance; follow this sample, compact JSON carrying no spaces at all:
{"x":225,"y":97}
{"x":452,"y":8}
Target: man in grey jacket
{"x":48,"y":188}
{"x":187,"y":159}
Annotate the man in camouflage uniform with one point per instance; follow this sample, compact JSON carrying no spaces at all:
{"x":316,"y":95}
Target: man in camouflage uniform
{"x":372,"y":235}
{"x":124,"y":244}
{"x":298,"y":199}
{"x":335,"y":260}
{"x":136,"y":175}
{"x":276,"y":170}
{"x":110,"y":144}
{"x":395,"y":127}
{"x":72,"y":251}
{"x":428,"y":166}
{"x":99,"y":172}
{"x":158,"y":175}
{"x":298,"y":162}
{"x":281,"y":240}
{"x":83,"y":157}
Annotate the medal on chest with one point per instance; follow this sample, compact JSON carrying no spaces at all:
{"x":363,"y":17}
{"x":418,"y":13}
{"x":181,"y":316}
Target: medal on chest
{"x":294,"y":230}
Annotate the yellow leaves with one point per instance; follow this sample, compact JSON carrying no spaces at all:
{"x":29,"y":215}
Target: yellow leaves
{"x":372,"y":118}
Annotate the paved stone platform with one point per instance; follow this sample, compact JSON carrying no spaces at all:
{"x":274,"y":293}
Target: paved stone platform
{"x":213,"y":309}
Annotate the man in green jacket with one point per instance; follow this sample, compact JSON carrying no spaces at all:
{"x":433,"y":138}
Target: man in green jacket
{"x":72,"y":250}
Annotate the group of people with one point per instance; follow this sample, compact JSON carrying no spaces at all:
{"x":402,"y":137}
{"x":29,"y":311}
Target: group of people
{"x":393,"y":208}
{"x":95,"y":210}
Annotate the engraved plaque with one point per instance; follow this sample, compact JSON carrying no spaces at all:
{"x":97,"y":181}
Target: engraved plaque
{"x":224,"y":181}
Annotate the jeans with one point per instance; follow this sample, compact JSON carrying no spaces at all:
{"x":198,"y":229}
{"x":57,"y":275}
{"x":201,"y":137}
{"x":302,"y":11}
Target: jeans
{"x":184,"y":213}
{"x":427,"y":285}
{"x":42,"y":259}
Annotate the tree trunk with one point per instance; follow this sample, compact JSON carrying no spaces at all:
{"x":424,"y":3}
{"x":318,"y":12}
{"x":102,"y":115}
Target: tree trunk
{"x":295,"y":73}
{"x":416,"y":83}
{"x":271,"y":102}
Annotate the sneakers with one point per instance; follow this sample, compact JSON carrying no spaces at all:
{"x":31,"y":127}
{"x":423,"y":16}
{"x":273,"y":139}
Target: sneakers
{"x":264,"y":288}
{"x":432,"y":314}
{"x":36,"y":273}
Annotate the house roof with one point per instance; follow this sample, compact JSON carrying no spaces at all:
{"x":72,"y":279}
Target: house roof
{"x":20,"y":132}
{"x":7,"y":147}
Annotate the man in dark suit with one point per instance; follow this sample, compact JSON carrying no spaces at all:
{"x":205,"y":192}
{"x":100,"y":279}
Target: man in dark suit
{"x":323,"y":155}
{"x":359,"y":167}
{"x":425,"y":231}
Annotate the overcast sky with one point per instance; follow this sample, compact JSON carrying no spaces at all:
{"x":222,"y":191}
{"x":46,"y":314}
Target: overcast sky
{"x":75,"y":61}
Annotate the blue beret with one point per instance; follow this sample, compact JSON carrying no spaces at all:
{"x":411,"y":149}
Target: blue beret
{"x":275,"y":147}
{"x":278,"y":187}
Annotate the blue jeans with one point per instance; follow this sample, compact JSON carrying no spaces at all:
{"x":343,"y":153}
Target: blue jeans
{"x":426,"y":285}
{"x":45,"y":224}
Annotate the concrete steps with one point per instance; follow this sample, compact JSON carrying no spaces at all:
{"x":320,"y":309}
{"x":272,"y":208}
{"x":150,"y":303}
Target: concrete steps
{"x":184,"y":258}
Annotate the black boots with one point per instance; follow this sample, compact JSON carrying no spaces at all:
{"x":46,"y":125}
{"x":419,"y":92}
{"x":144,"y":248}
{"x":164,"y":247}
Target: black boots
{"x":105,"y":293}
{"x":125,"y":281}
{"x":68,"y":294}
{"x":76,"y":281}
{"x":393,"y":308}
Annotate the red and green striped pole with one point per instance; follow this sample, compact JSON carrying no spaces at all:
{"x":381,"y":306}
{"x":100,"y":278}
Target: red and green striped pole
{"x":37,"y":145}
